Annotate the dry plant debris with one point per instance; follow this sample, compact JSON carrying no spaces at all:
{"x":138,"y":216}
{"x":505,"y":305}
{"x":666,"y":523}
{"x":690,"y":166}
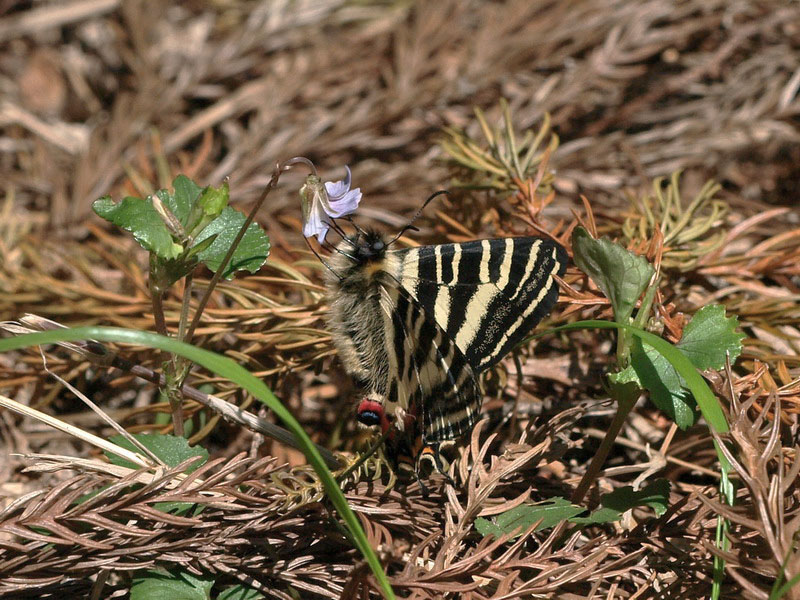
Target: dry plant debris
{"x":113,"y":97}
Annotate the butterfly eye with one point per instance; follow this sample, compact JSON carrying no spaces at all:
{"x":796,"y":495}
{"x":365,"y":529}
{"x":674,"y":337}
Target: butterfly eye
{"x":378,"y":246}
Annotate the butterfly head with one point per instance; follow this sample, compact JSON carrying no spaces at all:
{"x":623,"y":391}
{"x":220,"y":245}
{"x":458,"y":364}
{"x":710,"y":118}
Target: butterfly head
{"x":369,"y":246}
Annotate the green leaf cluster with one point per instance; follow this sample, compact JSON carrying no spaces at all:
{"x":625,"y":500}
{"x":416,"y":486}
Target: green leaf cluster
{"x":167,"y":585}
{"x":709,"y":339}
{"x":621,"y":275}
{"x":181,"y":585}
{"x":188,"y":226}
{"x":172,"y":450}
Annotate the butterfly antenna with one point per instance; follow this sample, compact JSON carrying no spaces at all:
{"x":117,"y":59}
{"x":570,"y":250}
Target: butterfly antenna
{"x":410,"y":225}
{"x":338,"y":229}
{"x":354,"y":224}
{"x":333,"y":248}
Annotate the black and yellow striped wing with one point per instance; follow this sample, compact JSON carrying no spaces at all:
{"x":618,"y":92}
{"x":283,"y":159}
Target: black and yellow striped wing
{"x":485,"y":295}
{"x":457,"y":310}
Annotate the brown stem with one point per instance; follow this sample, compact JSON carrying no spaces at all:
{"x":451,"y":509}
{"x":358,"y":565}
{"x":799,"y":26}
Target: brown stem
{"x":158,"y":311}
{"x":625,"y":405}
{"x":276,"y":174}
{"x":228,"y":411}
{"x":173,"y":394}
{"x":169,"y":367}
{"x":187,"y":299}
{"x":176,"y":406}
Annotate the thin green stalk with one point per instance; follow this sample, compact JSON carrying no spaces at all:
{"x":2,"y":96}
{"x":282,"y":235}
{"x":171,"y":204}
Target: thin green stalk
{"x":279,"y":169}
{"x":185,"y":305}
{"x":175,"y":402}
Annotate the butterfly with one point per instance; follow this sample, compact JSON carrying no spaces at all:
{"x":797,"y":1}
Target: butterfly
{"x":415,"y":327}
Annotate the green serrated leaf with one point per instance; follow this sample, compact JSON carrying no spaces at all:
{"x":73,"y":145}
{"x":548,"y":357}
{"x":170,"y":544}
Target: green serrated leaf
{"x":601,"y":515}
{"x":141,"y":219}
{"x":171,"y":449}
{"x":158,"y":585}
{"x":240,"y":592}
{"x":667,"y":388}
{"x":180,"y":509}
{"x":519,"y":519}
{"x":620,"y":274}
{"x":709,"y":337}
{"x":486,"y":527}
{"x":706,"y":340}
{"x":251,"y":253}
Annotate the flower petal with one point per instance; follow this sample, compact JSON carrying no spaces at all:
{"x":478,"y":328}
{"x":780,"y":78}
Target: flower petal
{"x":321,"y":204}
{"x":337,"y":189}
{"x":345,"y":205}
{"x":316,"y":223}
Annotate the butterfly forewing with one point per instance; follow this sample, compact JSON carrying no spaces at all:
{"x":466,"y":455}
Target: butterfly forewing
{"x":486,"y":295}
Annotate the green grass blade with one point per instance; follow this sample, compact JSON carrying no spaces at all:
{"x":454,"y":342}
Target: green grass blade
{"x":779,"y":592}
{"x":223,"y":367}
{"x":706,"y":400}
{"x":728,"y":492}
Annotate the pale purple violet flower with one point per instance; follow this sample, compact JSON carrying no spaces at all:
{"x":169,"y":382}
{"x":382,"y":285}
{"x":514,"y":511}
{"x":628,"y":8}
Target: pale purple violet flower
{"x":321,"y":204}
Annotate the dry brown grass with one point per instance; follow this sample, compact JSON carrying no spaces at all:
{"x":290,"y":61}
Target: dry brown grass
{"x":117,"y":98}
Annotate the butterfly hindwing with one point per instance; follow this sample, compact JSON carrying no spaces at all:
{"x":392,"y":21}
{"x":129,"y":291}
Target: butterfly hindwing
{"x":429,"y":377}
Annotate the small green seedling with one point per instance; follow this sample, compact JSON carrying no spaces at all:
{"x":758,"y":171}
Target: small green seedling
{"x":181,"y":229}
